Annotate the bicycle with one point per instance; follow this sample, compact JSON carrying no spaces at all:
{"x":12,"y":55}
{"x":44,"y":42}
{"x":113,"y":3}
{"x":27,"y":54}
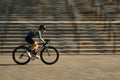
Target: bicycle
{"x":48,"y":54}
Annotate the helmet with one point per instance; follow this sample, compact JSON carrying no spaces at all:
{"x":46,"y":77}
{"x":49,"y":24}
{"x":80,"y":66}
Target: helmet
{"x":42,"y":27}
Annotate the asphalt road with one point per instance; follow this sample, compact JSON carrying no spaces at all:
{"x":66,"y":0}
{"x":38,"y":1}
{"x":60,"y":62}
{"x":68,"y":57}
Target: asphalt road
{"x":69,"y":67}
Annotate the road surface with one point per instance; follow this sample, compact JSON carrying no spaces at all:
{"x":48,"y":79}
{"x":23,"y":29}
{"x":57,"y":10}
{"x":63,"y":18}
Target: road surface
{"x":69,"y":67}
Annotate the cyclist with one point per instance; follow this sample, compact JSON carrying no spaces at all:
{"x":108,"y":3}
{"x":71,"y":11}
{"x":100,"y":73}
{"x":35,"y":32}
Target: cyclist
{"x":29,"y":40}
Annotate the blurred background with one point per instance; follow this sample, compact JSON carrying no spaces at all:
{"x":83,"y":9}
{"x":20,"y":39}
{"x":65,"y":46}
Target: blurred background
{"x":74,"y":26}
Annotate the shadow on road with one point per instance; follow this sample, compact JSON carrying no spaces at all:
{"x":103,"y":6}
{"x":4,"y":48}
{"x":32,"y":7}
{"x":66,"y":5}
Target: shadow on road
{"x":8,"y":64}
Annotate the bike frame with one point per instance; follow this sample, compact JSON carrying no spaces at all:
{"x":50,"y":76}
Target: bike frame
{"x":40,"y":48}
{"x":44,"y":46}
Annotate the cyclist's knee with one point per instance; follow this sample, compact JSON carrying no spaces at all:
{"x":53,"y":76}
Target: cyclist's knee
{"x":35,"y":45}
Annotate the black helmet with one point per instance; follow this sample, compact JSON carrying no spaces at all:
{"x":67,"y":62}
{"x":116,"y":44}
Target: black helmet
{"x":42,"y":27}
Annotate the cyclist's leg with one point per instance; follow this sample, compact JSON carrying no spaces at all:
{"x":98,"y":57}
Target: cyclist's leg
{"x":29,"y":40}
{"x":35,"y":50}
{"x":34,"y":46}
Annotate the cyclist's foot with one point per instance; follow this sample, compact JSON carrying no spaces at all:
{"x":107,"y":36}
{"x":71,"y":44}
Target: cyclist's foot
{"x":38,"y":57}
{"x":29,"y":54}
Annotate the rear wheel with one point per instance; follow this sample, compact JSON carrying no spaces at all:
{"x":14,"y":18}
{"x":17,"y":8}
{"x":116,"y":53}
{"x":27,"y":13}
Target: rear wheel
{"x":20,"y":55}
{"x":49,"y":55}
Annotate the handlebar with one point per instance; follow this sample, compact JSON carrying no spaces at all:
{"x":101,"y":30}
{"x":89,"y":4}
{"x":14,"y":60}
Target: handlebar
{"x":47,"y":40}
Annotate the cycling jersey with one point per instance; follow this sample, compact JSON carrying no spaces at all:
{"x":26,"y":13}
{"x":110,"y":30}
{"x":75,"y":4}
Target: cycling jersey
{"x":37,"y":34}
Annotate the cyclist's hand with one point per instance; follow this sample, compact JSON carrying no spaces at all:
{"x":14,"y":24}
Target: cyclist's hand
{"x":46,"y":42}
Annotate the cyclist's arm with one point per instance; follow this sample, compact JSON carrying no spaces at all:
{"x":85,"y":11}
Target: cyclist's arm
{"x":41,"y":39}
{"x":39,"y":36}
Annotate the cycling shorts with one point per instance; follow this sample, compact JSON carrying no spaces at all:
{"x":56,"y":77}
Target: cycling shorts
{"x":29,"y":40}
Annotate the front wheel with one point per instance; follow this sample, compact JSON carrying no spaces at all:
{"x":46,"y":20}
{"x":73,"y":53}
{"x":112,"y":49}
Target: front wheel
{"x":20,"y":56}
{"x":49,"y":55}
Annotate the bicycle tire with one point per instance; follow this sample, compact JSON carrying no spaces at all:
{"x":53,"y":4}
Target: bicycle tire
{"x":42,"y":54}
{"x":16,"y":53}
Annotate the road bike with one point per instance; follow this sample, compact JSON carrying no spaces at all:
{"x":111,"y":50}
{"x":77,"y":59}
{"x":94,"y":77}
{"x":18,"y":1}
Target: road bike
{"x":48,"y":54}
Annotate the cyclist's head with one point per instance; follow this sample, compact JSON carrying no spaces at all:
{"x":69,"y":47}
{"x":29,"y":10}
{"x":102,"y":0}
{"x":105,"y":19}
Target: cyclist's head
{"x":42,"y":28}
